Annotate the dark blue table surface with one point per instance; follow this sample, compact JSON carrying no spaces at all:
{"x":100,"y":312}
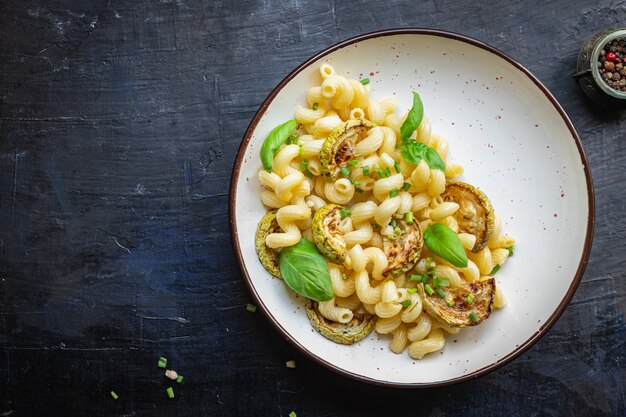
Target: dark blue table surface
{"x":119,"y":125}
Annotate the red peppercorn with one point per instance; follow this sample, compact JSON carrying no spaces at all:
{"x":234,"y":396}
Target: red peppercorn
{"x":611,"y":56}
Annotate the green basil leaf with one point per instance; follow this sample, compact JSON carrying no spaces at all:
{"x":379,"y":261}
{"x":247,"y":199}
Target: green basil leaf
{"x":305,"y":271}
{"x":414,"y":152}
{"x":274,"y":140}
{"x":434,"y":160}
{"x":413,"y":119}
{"x":445,"y":243}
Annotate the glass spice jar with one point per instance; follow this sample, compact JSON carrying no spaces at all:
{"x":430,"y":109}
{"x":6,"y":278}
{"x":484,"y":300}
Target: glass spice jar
{"x":589,"y":69}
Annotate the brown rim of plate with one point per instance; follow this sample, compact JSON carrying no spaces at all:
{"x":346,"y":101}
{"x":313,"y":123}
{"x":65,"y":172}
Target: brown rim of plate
{"x":590,"y":219}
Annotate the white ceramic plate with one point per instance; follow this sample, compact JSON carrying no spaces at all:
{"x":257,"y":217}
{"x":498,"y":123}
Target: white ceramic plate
{"x":515,"y":142}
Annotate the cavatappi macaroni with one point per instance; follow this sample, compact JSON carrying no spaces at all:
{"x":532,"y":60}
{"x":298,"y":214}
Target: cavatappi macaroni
{"x":358,"y":283}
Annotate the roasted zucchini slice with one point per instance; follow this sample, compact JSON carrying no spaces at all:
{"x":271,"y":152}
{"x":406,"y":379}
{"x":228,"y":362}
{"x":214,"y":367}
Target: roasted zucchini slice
{"x":475,"y":214}
{"x":346,"y":334}
{"x":326,"y":235}
{"x":468,"y":305}
{"x":267,"y":256}
{"x":338,"y":148}
{"x":402,"y":248}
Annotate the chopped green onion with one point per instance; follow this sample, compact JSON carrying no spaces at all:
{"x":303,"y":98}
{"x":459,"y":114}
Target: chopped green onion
{"x":387,"y":172}
{"x":411,"y":290}
{"x":293,"y":138}
{"x":355,"y":183}
{"x":162,"y":362}
{"x":425,"y":278}
{"x":396,"y":165}
{"x":345,"y":172}
{"x":293,"y":414}
{"x":365,"y":81}
{"x":366,"y":170}
{"x":393,"y":192}
{"x":441,"y":282}
{"x":114,"y":395}
{"x":304,"y":167}
{"x":315,"y":105}
{"x":406,"y":303}
{"x":415,"y":277}
{"x":511,"y":250}
{"x":408,"y":218}
{"x":393,"y":223}
{"x":358,"y":190}
{"x":406,"y":186}
{"x":429,"y":289}
{"x":430,"y":272}
{"x":179,"y":379}
{"x":170,"y":392}
{"x":495,"y":269}
{"x":441,"y":293}
{"x":345,"y":213}
{"x":450,"y":303}
{"x":353,"y":163}
{"x":470,"y":299}
{"x":473,"y":317}
{"x":381,"y":172}
{"x":397,"y":231}
{"x":251,"y":308}
{"x":344,"y":276}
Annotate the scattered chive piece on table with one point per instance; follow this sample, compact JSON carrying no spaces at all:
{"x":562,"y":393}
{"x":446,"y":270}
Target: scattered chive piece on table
{"x":345,"y":213}
{"x":315,"y":105}
{"x":353,"y":163}
{"x":366,"y":170}
{"x":470,"y":299}
{"x":495,"y":269}
{"x":409,"y":217}
{"x":415,"y":277}
{"x":406,"y":185}
{"x":114,"y":395}
{"x":170,"y":392}
{"x":251,"y":308}
{"x":162,"y":362}
{"x":393,"y":192}
{"x":429,"y":289}
{"x":345,"y":172}
{"x":441,"y":282}
{"x":406,"y":303}
{"x":179,"y":379}
{"x":171,"y":374}
{"x":290,"y":364}
{"x":473,"y":317}
{"x":511,"y":250}
{"x":412,"y":290}
{"x":441,"y":293}
{"x":365,"y":81}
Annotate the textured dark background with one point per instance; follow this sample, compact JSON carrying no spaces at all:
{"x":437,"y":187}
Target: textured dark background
{"x":119,"y":125}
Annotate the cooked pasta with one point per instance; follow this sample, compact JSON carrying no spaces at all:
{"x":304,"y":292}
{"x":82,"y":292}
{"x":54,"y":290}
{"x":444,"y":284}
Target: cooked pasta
{"x":347,"y":157}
